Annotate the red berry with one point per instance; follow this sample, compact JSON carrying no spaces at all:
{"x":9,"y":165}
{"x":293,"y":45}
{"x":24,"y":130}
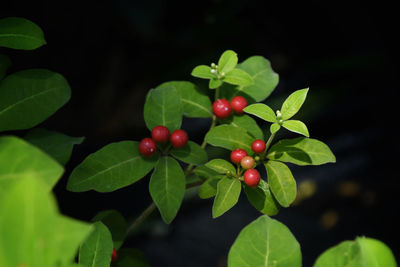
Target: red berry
{"x":247,"y":162}
{"x":114,"y":256}
{"x":237,"y":155}
{"x":238,"y":103}
{"x":252,"y":177}
{"x":222,"y":108}
{"x":147,"y":147}
{"x":179,"y":138}
{"x":160,"y":134}
{"x":258,"y":146}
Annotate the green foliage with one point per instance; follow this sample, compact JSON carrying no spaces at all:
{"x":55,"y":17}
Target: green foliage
{"x":114,"y":166}
{"x":5,"y":63}
{"x":293,"y":103}
{"x":262,"y":199}
{"x":229,"y":137}
{"x":195,"y":102}
{"x":55,"y":144}
{"x":220,"y":166}
{"x":163,"y":107}
{"x":167,"y":187}
{"x":209,"y":188}
{"x":264,"y":80}
{"x":296,"y":127}
{"x":227,"y":61}
{"x":238,"y":77}
{"x":19,"y":159}
{"x":32,"y":231}
{"x":225,"y":71}
{"x":301,"y":151}
{"x":29,"y":97}
{"x":192,"y":153}
{"x":281,"y":181}
{"x":228,"y":192}
{"x":265,"y":242}
{"x":97,"y":248}
{"x":361,"y":252}
{"x":20,"y":33}
{"x":247,"y":123}
{"x":115,"y":223}
{"x":262,"y":111}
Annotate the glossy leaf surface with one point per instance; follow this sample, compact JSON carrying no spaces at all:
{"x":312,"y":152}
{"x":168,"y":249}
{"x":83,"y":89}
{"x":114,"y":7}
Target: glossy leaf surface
{"x":265,"y":242}
{"x":301,"y":151}
{"x":97,"y":248}
{"x":20,"y":33}
{"x":29,"y":97}
{"x":57,"y":145}
{"x":167,"y":187}
{"x":192,"y":153}
{"x":114,"y":166}
{"x":229,"y":137}
{"x":228,"y":192}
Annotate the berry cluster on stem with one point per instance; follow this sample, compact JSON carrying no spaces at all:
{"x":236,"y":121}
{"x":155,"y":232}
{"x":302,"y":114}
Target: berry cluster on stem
{"x":161,"y":135}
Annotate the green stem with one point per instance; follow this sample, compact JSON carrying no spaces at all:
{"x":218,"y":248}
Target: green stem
{"x":149,"y":210}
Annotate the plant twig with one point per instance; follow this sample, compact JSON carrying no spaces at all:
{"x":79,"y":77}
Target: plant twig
{"x":143,"y":216}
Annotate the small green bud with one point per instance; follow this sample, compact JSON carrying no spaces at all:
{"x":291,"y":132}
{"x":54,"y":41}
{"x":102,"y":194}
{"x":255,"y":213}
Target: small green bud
{"x":214,"y":71}
{"x":257,"y":158}
{"x":214,"y":66}
{"x":278,"y":115}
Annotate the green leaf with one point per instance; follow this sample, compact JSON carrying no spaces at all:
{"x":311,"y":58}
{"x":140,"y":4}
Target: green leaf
{"x":361,"y":252}
{"x":221,"y":166}
{"x":296,"y":127}
{"x":293,"y":103}
{"x":265,"y":242}
{"x":229,"y":137}
{"x":281,"y":181}
{"x":238,"y":77}
{"x":19,"y":159}
{"x":301,"y":151}
{"x":20,"y":33}
{"x":214,"y":83}
{"x":247,"y":123}
{"x":262,"y":111}
{"x":114,"y":166}
{"x":192,"y":153}
{"x":130,"y":257}
{"x":5,"y":63}
{"x":227,"y":61}
{"x":115,"y":223}
{"x":228,"y":192}
{"x":57,"y":145}
{"x":262,"y":199}
{"x":163,"y":107}
{"x":264,"y":80}
{"x":203,"y":72}
{"x":32,"y":231}
{"x":274,"y":128}
{"x":208,"y":189}
{"x":167,"y":187}
{"x":205,"y":172}
{"x":29,"y":97}
{"x":195,"y":102}
{"x":97,"y":249}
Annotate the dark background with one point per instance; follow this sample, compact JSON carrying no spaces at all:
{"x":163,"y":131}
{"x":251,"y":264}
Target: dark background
{"x":113,"y":52}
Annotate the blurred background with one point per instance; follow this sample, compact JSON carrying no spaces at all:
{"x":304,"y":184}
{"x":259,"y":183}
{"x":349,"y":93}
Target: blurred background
{"x":113,"y":52}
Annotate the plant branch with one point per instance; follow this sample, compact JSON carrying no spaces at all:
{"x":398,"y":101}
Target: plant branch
{"x":143,"y":216}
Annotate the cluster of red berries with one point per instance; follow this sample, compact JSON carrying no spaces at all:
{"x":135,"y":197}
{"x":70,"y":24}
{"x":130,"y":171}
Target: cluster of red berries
{"x":160,"y":134}
{"x":222,"y":108}
{"x":239,"y":156}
